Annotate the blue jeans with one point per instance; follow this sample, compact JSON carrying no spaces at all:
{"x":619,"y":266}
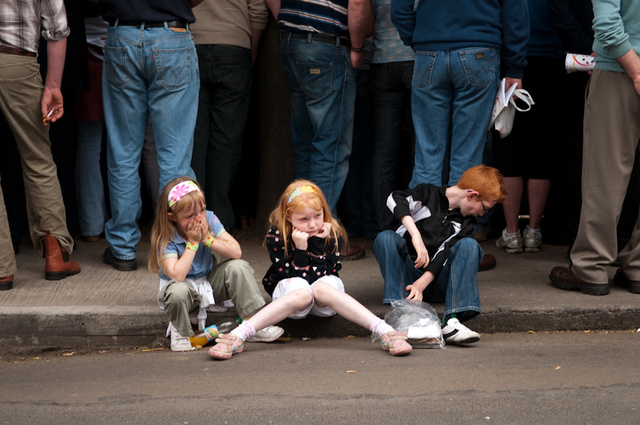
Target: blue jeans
{"x":451,"y":100}
{"x":147,"y":72}
{"x":92,"y":206}
{"x":390,"y":85}
{"x":455,"y":285}
{"x":322,"y":86}
{"x":225,"y":91}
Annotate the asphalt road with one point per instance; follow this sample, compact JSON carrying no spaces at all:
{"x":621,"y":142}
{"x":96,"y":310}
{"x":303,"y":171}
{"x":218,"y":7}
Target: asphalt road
{"x":536,"y":378}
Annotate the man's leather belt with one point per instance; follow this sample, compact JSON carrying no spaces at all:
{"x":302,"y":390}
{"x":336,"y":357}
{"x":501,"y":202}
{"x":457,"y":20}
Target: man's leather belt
{"x":170,"y":24}
{"x":322,"y":38}
{"x":16,"y":51}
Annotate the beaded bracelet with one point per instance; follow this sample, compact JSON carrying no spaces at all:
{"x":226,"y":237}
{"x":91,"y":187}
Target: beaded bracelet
{"x":209,"y":241}
{"x":193,"y":246}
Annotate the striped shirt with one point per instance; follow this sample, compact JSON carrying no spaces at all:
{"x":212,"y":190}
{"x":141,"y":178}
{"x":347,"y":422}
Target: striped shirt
{"x":321,"y":16}
{"x":21,"y":22}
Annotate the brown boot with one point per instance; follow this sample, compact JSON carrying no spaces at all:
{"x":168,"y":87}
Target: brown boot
{"x":6,"y":283}
{"x":58,"y":265}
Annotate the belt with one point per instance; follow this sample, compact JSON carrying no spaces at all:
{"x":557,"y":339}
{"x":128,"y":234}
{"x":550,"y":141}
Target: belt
{"x":314,"y":36}
{"x":170,"y":24}
{"x":16,"y":51}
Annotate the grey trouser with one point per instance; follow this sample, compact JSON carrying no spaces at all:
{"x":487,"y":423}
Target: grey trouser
{"x":20,"y":95}
{"x":232,"y":279}
{"x":611,"y":135}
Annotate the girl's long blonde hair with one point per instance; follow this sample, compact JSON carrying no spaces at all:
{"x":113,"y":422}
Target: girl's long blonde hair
{"x":313,"y":199}
{"x":164,"y":230}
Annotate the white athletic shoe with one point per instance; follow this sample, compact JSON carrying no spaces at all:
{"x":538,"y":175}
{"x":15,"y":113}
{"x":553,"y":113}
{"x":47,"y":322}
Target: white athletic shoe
{"x":457,"y":333}
{"x":268,"y":334}
{"x":179,"y":342}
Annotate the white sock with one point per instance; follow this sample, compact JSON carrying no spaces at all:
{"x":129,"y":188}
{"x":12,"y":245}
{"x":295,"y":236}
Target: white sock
{"x":244,"y":331}
{"x":380,"y":327}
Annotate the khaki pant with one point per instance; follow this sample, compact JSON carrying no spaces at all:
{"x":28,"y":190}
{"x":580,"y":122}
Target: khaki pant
{"x":611,"y":135}
{"x":20,"y":94}
{"x":232,"y":279}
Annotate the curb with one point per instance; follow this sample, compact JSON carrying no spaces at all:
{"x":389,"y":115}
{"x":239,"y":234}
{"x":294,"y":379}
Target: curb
{"x":39,"y":329}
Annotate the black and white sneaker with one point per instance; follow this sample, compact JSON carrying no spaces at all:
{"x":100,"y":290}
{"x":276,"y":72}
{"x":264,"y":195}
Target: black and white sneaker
{"x":456,"y":333}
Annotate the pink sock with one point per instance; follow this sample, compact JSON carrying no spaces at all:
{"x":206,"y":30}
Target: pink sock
{"x":244,"y":331}
{"x":380,"y":327}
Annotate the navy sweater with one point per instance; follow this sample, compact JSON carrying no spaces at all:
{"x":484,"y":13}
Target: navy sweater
{"x":456,"y":24}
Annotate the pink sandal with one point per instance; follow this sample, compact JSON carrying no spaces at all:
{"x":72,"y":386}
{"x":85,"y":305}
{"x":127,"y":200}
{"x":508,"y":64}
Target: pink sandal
{"x":396,"y":343}
{"x":226,"y":346}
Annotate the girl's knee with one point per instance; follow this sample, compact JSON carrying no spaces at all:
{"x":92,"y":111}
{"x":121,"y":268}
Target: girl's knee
{"x":324,"y":293}
{"x":300,"y":298}
{"x":178,"y":295}
{"x":238,"y":267}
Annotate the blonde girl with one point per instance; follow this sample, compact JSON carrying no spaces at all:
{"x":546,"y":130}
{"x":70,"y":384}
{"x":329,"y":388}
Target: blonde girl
{"x":183,"y":240}
{"x":304,"y":243}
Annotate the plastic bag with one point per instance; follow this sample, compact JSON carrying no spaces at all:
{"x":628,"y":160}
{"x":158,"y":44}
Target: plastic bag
{"x":419,"y":320}
{"x":502,"y":100}
{"x":505,"y":107}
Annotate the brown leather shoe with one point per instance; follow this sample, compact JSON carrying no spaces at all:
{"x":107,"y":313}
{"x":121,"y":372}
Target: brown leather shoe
{"x":6,"y":283}
{"x":355,"y":252}
{"x":632,"y":285}
{"x":488,"y":262}
{"x":564,"y":278}
{"x":58,"y":264}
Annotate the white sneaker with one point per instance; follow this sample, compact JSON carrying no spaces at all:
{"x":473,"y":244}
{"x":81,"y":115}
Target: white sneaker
{"x":268,"y":334}
{"x":179,"y":342}
{"x":457,"y":333}
{"x":532,"y":240}
{"x":512,"y":243}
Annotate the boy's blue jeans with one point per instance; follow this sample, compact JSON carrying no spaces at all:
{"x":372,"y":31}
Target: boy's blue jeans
{"x":455,"y":285}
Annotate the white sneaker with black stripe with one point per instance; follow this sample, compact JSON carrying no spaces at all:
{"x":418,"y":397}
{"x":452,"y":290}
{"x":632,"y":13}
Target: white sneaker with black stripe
{"x":456,"y":333}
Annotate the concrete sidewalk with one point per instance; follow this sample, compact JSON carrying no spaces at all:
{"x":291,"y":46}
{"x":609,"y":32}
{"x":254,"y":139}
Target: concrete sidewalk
{"x":103,"y":308}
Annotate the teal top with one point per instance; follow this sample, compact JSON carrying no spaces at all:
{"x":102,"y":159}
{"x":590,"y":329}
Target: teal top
{"x":616,"y":24}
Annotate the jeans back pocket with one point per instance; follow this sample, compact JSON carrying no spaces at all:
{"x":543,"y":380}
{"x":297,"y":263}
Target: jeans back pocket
{"x":173,"y":66}
{"x":480,"y":65}
{"x":115,"y":63}
{"x":423,"y":68}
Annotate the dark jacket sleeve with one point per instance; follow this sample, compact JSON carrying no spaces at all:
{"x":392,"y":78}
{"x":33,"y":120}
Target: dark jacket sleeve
{"x":400,"y":202}
{"x":572,"y":20}
{"x":515,"y":36}
{"x":437,"y":261}
{"x":404,"y":18}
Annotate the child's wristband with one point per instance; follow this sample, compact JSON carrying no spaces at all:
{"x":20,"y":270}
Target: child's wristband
{"x":193,"y":246}
{"x":209,"y":241}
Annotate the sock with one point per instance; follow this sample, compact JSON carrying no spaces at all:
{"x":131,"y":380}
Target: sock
{"x":244,"y":331}
{"x":530,"y":230}
{"x":446,"y":319}
{"x":380,"y":327}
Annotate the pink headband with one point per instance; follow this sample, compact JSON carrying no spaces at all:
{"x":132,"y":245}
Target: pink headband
{"x":178,"y":191}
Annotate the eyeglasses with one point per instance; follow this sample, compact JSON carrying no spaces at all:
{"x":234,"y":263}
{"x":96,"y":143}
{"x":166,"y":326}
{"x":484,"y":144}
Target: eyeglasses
{"x":484,"y":208}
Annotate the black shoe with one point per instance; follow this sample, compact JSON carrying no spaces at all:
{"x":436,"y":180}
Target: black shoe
{"x":632,"y":285}
{"x":118,"y":264}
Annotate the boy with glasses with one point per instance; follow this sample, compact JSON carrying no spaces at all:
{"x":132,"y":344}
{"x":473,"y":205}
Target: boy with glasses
{"x":433,"y":255}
